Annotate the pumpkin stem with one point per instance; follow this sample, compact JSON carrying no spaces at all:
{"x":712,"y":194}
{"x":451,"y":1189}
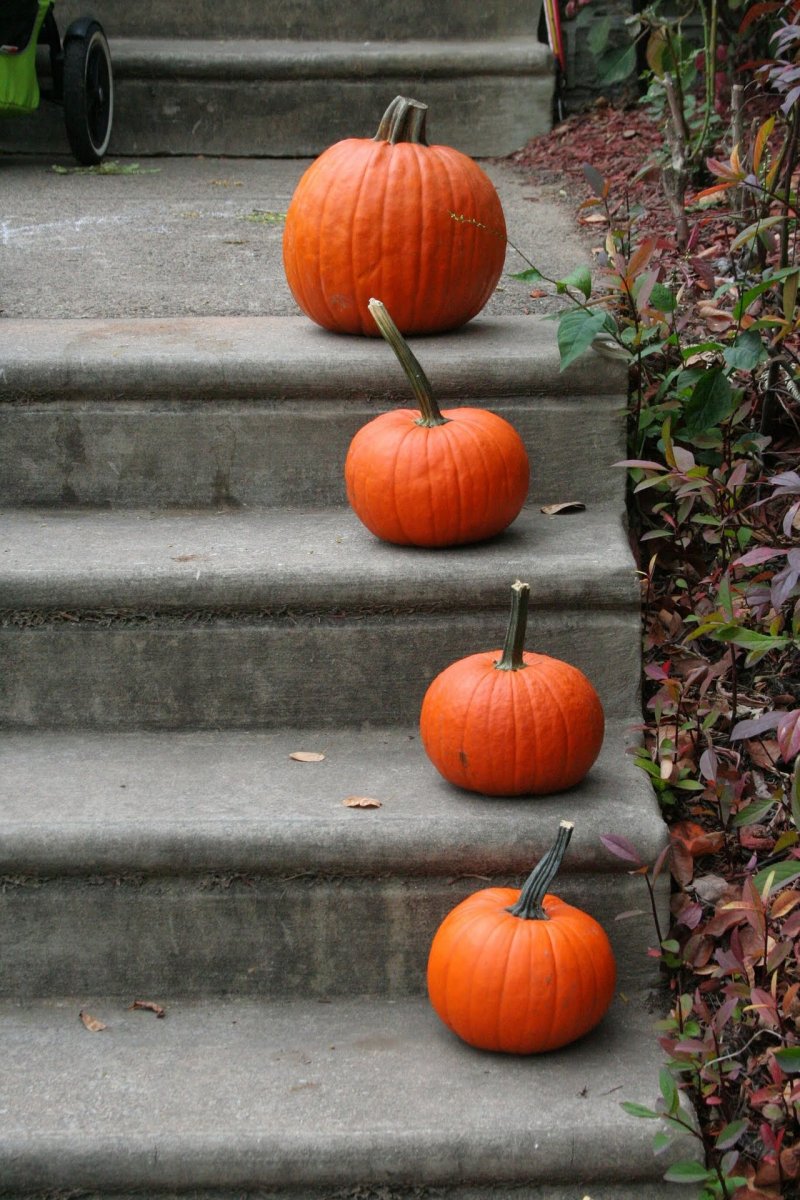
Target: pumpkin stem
{"x":529,"y":906}
{"x":430,"y":414}
{"x":403,"y":121}
{"x":514,"y":646}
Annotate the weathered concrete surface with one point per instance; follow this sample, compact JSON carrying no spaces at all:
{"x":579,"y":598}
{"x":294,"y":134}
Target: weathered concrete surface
{"x":147,"y":803}
{"x":289,"y":98}
{"x":246,"y":1095}
{"x":202,"y":863}
{"x":179,"y":241}
{"x":240,"y":618}
{"x":218,"y":672}
{"x":310,"y":19}
{"x":310,"y":562}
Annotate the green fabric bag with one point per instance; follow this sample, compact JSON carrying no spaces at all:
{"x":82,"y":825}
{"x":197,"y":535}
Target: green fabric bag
{"x":19,"y":86}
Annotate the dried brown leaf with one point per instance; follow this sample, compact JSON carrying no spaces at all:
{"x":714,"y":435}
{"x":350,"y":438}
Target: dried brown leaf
{"x":565,"y":506}
{"x":150,"y":1006}
{"x":93,"y":1024}
{"x":306,"y":756}
{"x":361,"y":802}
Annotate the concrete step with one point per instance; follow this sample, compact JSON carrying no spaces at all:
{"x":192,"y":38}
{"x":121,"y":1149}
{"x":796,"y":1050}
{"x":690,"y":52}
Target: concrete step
{"x":305,"y":1099}
{"x":185,"y":237}
{"x":290,"y":98}
{"x":257,"y":619}
{"x":208,"y":863}
{"x":351,"y":20}
{"x":261,"y":411}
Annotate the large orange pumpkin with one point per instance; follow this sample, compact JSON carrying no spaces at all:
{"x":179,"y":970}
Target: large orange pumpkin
{"x":430,"y":478}
{"x":521,"y":971}
{"x":512,"y":723}
{"x":420,"y":226}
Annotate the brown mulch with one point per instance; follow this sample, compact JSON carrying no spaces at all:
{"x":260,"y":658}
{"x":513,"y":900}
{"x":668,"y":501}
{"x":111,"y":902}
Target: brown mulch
{"x":617,"y":142}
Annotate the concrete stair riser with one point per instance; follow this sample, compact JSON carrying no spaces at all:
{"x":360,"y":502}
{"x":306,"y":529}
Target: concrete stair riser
{"x":291,"y":99}
{"x":250,"y":936}
{"x":309,"y":19}
{"x":224,"y":673}
{"x":261,"y":411}
{"x":229,"y":453}
{"x":655,"y":1190}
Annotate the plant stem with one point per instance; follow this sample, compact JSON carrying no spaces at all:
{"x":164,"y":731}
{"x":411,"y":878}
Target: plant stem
{"x":529,"y":906}
{"x":514,"y":646}
{"x":430,"y":414}
{"x":674,"y":177}
{"x":710,"y":47}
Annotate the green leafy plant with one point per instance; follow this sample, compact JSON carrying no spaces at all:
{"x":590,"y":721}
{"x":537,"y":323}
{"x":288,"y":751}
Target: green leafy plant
{"x":709,"y":327}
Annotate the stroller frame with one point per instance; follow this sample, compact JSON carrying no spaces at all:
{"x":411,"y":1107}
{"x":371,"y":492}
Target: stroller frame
{"x":81,"y":78}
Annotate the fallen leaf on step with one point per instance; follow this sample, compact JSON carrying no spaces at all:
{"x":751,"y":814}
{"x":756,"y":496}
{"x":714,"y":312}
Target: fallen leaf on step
{"x":566,"y":506}
{"x":91,"y":1023}
{"x":150,"y":1006}
{"x":306,"y":756}
{"x":361,"y":802}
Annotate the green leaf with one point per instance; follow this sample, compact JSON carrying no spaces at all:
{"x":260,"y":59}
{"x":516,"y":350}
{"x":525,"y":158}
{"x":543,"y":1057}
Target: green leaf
{"x":669,"y":1088}
{"x":688,"y":1172}
{"x":639,"y":1110}
{"x":730,"y":1135}
{"x":777,"y":876}
{"x":577,"y":329}
{"x":661,"y":1142}
{"x":580,"y":278}
{"x":598,"y":35}
{"x":788,"y":1059}
{"x":743,"y":303}
{"x":663,"y":298}
{"x":530,"y":276}
{"x":755,"y":230}
{"x":711,"y":402}
{"x":746,"y":352}
{"x":701,"y":348}
{"x":616,"y":65}
{"x":753,"y":813}
{"x":751,"y":639}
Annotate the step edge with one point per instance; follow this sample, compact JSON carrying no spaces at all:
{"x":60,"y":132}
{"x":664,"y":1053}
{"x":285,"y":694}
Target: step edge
{"x":238,"y":60}
{"x":229,"y":356}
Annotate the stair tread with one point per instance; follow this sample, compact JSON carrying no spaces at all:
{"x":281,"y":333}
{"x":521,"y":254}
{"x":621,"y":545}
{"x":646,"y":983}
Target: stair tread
{"x":303,"y":561}
{"x":288,"y":357}
{"x":205,"y":801}
{"x":248,"y":1093}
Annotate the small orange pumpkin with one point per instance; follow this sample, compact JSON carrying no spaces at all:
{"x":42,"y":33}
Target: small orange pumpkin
{"x":420,"y":226}
{"x":521,"y":971}
{"x":431,"y":478}
{"x":512,"y":723}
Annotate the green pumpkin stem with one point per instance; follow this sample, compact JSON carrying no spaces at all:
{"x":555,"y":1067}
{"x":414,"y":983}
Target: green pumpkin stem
{"x":514,"y":646}
{"x":430,"y":414}
{"x":529,"y":906}
{"x":403,"y":121}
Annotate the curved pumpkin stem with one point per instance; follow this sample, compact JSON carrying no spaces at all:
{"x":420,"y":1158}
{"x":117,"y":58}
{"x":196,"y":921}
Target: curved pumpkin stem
{"x":403,"y":121}
{"x":514,"y":645}
{"x":430,"y":413}
{"x":529,"y":906}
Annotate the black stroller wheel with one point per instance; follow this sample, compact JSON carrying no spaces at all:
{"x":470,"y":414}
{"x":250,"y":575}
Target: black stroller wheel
{"x":88,"y":92}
